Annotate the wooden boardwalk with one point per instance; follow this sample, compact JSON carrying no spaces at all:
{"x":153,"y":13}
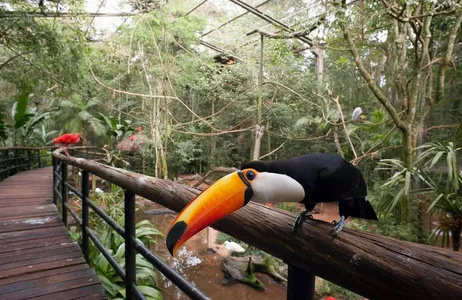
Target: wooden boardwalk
{"x":38,"y":258}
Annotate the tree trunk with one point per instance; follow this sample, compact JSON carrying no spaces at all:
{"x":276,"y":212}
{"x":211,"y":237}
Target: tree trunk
{"x":337,"y":141}
{"x":408,"y":142}
{"x":259,"y":130}
{"x":319,"y":67}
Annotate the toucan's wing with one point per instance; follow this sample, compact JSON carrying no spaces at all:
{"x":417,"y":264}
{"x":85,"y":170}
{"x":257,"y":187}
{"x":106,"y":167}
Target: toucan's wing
{"x":344,"y":178}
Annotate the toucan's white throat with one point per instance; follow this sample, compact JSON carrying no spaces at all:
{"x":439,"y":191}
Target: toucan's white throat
{"x":274,"y":187}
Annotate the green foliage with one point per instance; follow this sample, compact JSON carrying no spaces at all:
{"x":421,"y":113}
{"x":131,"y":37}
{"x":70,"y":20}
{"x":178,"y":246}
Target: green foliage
{"x":24,"y":120}
{"x":223,"y":237}
{"x":19,"y":112}
{"x":327,"y":288}
{"x":446,"y":199}
{"x":116,"y":128}
{"x":43,"y":136}
{"x":388,"y":226}
{"x":398,"y":185}
{"x":146,"y":276}
{"x":77,"y":116}
{"x":443,"y":192}
{"x":292,"y":207}
{"x":3,"y":128}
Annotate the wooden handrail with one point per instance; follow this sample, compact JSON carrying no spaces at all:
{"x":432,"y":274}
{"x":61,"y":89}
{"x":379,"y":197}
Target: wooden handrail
{"x":374,"y":266}
{"x":27,"y":148}
{"x":46,"y":148}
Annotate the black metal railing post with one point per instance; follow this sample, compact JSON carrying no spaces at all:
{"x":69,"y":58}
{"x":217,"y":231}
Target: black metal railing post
{"x":29,"y":159}
{"x":300,"y":284}
{"x":85,"y":194}
{"x":130,"y":252}
{"x":16,"y":156}
{"x":39,"y":159}
{"x":63,"y":193}
{"x":55,"y":179}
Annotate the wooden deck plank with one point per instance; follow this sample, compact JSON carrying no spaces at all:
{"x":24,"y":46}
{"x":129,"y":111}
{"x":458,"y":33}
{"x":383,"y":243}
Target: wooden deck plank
{"x":38,"y":249}
{"x":44,"y":274}
{"x":13,"y":268}
{"x":22,"y":245}
{"x":21,"y":256}
{"x":20,"y":289}
{"x":52,"y":288}
{"x":38,"y":259}
{"x":92,"y":292}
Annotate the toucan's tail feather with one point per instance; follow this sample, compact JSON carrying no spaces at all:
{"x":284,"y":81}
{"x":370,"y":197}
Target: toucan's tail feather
{"x":358,"y":207}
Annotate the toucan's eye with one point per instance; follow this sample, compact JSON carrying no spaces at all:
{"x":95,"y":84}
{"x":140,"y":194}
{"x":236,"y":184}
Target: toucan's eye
{"x":250,"y":175}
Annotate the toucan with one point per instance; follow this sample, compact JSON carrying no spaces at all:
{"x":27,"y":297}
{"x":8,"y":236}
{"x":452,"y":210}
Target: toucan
{"x":308,"y":179}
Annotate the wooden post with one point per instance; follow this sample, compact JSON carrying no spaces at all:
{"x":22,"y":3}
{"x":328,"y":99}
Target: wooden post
{"x":93,"y":182}
{"x":85,"y":216}
{"x":130,"y":252}
{"x":55,"y":179}
{"x":63,"y":193}
{"x":300,"y":284}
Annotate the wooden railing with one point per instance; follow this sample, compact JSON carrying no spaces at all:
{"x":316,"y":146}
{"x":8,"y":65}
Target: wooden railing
{"x":61,"y":186}
{"x":373,"y":266}
{"x":16,"y":159}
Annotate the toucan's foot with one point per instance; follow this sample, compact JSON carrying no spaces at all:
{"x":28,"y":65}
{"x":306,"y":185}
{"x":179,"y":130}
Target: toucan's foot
{"x":338,"y":227}
{"x":300,"y":219}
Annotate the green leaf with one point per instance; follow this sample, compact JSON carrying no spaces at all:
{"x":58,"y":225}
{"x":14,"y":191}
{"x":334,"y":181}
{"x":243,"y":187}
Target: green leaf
{"x":150,"y":292}
{"x":141,"y":261}
{"x":432,"y":205}
{"x":120,"y":251}
{"x":436,"y":158}
{"x":110,"y":287}
{"x":459,"y":133}
{"x":20,"y":107}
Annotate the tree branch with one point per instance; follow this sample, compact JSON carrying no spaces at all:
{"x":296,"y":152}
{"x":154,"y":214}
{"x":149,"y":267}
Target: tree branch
{"x":215,"y":170}
{"x":344,"y":125}
{"x":441,"y":126}
{"x":446,"y":60}
{"x":9,"y":60}
{"x":269,"y":153}
{"x":370,"y":81}
{"x":370,"y":152}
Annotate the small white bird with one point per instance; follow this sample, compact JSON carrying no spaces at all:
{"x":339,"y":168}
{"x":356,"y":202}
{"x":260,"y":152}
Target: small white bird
{"x":234,"y":247}
{"x":98,"y":190}
{"x":356,"y":113}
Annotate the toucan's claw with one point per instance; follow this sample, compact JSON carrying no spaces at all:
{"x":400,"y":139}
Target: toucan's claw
{"x":300,"y":219}
{"x":338,"y":226}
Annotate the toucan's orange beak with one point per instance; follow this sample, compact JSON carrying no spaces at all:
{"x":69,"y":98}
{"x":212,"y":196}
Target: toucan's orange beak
{"x":221,"y":199}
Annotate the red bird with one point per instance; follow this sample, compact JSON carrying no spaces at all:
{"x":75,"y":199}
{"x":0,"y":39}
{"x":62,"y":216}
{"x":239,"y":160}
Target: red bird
{"x":67,"y":139}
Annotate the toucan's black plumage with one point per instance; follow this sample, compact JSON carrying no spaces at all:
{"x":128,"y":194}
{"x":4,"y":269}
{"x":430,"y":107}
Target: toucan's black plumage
{"x":325,"y":178}
{"x":309,"y":179}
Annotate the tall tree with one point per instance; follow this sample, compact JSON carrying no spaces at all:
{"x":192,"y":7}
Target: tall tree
{"x":416,"y":41}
